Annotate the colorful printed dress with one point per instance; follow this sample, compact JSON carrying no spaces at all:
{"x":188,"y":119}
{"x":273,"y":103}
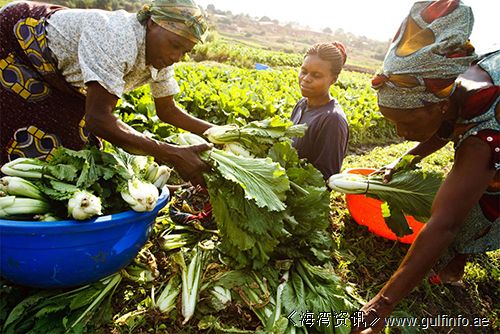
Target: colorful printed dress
{"x":35,"y":100}
{"x":479,"y":116}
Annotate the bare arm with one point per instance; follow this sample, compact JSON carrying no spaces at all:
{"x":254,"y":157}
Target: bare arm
{"x":422,"y":150}
{"x":101,"y":121}
{"x":428,"y":147}
{"x":169,"y":112}
{"x":461,"y":190}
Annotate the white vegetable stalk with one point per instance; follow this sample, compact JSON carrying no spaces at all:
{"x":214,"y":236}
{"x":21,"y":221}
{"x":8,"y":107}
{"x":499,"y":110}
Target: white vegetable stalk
{"x":167,"y":299}
{"x":358,"y":184}
{"x":157,"y":175}
{"x":265,"y":314}
{"x":151,"y":171}
{"x":17,"y":186}
{"x":25,"y":167}
{"x":140,"y":162}
{"x":176,"y":240}
{"x":12,"y":206}
{"x":348,"y":183}
{"x":222,"y":294}
{"x":162,"y":176}
{"x":215,"y":132}
{"x":191,"y":282}
{"x":141,"y":196}
{"x":237,"y":149}
{"x":84,"y":205}
{"x":279,"y":293}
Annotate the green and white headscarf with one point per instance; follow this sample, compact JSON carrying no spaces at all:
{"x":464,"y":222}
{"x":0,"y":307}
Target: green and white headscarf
{"x":182,"y":17}
{"x":429,"y":51}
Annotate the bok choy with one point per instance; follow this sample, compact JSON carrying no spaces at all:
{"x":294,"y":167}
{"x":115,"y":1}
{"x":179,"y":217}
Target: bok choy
{"x":411,"y":191}
{"x":81,"y":184}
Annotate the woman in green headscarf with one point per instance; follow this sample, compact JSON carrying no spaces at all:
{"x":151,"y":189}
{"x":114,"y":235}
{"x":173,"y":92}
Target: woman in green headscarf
{"x":63,"y":70}
{"x":435,"y":89}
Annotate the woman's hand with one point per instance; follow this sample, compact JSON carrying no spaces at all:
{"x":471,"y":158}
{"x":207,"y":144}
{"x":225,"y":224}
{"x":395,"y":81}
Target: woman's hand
{"x":388,"y":170}
{"x":371,"y":318}
{"x":188,"y":163}
{"x":393,"y":167}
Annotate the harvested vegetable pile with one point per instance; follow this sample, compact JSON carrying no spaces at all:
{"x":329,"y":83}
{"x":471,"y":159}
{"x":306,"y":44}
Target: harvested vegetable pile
{"x":80,"y":185}
{"x":271,"y":212}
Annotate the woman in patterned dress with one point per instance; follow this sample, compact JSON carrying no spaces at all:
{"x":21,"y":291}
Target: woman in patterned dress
{"x":63,"y":70}
{"x":435,"y":90}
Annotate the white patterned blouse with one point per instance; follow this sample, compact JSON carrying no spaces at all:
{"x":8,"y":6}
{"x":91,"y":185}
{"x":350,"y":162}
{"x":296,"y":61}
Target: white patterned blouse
{"x":108,"y":47}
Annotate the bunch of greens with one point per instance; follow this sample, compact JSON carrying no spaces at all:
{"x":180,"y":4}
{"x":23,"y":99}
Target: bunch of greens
{"x":289,"y":297}
{"x":300,"y":229}
{"x":59,"y":311}
{"x":254,"y":138}
{"x":307,"y":209}
{"x":410,"y":191}
{"x":265,"y":201}
{"x":80,"y":184}
{"x":270,"y":208}
{"x":247,"y":197}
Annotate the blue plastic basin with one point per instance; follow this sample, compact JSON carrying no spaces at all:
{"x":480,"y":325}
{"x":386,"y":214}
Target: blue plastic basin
{"x":70,"y":253}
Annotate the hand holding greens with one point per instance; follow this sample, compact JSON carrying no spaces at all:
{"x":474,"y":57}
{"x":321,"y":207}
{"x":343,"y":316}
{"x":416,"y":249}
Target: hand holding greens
{"x":411,"y":191}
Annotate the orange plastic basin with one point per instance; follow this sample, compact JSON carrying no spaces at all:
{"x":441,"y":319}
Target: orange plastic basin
{"x":366,"y":211}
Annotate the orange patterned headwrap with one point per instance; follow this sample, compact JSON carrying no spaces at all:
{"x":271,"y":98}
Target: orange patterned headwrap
{"x":429,"y":51}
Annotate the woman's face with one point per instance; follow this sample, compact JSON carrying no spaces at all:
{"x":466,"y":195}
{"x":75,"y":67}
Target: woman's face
{"x":163,"y":47}
{"x":315,"y":77}
{"x":418,"y":124}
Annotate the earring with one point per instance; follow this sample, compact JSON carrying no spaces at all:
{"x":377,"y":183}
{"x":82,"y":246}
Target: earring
{"x":444,"y":108}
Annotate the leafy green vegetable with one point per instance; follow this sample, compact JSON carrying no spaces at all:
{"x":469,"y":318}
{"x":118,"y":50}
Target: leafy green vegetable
{"x":58,"y":311}
{"x":12,"y":207}
{"x":84,"y":184}
{"x":17,"y":186}
{"x":317,"y":289}
{"x":191,"y":280}
{"x":168,"y":297}
{"x":410,"y":191}
{"x":258,"y":210}
{"x":262,"y":180}
{"x":257,"y":136}
{"x":249,"y":234}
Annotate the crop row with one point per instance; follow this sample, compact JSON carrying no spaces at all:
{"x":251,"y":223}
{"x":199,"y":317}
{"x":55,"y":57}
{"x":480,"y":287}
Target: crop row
{"x":242,"y":55}
{"x":224,"y":94}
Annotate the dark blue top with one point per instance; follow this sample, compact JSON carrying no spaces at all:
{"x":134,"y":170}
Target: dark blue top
{"x":325,"y":142}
